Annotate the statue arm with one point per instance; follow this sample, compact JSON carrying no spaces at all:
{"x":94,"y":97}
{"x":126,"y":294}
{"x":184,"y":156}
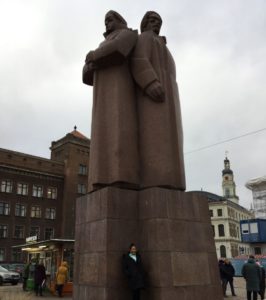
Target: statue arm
{"x":142,"y":69}
{"x":87,"y":73}
{"x":115,"y":51}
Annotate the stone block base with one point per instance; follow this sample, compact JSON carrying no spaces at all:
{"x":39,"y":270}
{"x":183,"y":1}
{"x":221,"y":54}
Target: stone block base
{"x":172,"y":231}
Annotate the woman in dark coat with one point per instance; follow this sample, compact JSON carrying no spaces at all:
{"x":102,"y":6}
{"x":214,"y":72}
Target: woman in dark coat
{"x":132,"y":267}
{"x":39,"y":277}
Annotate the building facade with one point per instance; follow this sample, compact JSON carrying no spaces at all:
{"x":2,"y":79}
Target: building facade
{"x":225,"y":218}
{"x":226,"y":214}
{"x":38,"y":195}
{"x":253,"y":231}
{"x":258,"y":188}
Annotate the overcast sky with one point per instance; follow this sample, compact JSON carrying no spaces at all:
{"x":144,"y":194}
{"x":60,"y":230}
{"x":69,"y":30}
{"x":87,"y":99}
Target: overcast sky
{"x":219,"y":47}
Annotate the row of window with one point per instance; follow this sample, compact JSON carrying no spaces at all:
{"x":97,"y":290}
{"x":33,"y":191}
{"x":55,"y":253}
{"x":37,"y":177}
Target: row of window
{"x":233,"y":230}
{"x":19,"y":232}
{"x":231,"y":213}
{"x":16,"y":255}
{"x":21,"y":211}
{"x":37,"y":190}
{"x":7,"y":186}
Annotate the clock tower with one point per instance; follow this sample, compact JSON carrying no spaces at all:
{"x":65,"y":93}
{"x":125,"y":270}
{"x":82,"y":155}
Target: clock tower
{"x":229,"y":186}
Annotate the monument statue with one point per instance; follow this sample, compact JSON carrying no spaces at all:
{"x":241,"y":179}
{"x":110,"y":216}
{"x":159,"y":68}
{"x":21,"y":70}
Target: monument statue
{"x":158,"y":109}
{"x":137,"y":144}
{"x":114,"y":158}
{"x":136,"y":135}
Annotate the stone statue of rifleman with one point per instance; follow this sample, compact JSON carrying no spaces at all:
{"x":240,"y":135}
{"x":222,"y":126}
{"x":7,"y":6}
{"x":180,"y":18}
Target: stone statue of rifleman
{"x":158,"y":109}
{"x":114,"y":156}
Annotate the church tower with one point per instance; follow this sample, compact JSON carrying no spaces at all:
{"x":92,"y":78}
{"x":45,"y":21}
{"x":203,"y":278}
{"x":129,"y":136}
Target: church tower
{"x":229,"y":186}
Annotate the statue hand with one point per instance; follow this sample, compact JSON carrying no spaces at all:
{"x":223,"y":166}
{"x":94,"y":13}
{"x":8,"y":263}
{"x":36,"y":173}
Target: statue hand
{"x":155,"y":91}
{"x":89,"y":57}
{"x":91,"y":66}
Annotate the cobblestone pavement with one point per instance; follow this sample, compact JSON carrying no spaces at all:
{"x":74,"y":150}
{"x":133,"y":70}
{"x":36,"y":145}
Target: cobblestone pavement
{"x":14,"y":292}
{"x":240,"y":290}
{"x":18,"y":294}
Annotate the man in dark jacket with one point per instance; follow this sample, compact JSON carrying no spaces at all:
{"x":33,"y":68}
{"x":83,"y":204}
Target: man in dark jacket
{"x":39,"y":278}
{"x":222,"y":276}
{"x":252,"y":274}
{"x":132,"y":268}
{"x":229,"y":274}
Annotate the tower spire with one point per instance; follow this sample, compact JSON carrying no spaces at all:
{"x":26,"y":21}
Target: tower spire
{"x":228,"y":183}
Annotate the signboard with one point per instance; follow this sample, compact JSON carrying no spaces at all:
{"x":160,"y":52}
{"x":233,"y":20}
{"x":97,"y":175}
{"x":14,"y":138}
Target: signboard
{"x":31,"y":239}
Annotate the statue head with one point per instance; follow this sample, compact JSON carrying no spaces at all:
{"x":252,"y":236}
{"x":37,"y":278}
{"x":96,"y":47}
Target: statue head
{"x":151,"y":21}
{"x":114,"y":21}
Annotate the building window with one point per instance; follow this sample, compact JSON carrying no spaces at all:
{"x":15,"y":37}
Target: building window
{"x":221,"y":229}
{"x":20,"y":210}
{"x":222,"y":251}
{"x":3,"y":231}
{"x":81,"y":188}
{"x":244,"y":228}
{"x":19,"y":232}
{"x":16,"y":255}
{"x":2,"y":254}
{"x":51,"y":192}
{"x":227,"y":193}
{"x":35,"y":212}
{"x":232,"y":230}
{"x":35,"y":231}
{"x":22,"y":189}
{"x":4,"y":209}
{"x":219,"y":212}
{"x":82,"y":169}
{"x":211,"y":212}
{"x":6,"y":186}
{"x":50,"y":213}
{"x":257,"y":250}
{"x":49,"y":233}
{"x":37,"y":191}
{"x":213,"y":230}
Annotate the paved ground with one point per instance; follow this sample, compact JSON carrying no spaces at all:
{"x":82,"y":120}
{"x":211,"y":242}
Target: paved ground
{"x":240,"y":289}
{"x":8,"y":292}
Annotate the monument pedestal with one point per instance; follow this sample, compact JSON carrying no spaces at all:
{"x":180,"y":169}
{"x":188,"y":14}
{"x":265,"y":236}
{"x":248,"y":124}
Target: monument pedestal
{"x":172,"y":230}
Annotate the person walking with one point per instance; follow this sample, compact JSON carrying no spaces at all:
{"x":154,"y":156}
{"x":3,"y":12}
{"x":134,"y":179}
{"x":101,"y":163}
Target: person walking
{"x":61,"y":278}
{"x":262,"y":281}
{"x":25,"y":276}
{"x":229,"y":274}
{"x":132,"y":267}
{"x":252,"y":274}
{"x":222,"y":276}
{"x":39,"y":278}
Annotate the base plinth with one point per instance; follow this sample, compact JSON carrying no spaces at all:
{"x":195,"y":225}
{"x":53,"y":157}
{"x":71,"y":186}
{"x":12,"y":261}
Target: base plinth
{"x":172,"y":231}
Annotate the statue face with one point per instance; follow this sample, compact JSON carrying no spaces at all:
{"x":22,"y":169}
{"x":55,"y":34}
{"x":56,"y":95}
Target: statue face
{"x":153,"y":23}
{"x":111,"y":23}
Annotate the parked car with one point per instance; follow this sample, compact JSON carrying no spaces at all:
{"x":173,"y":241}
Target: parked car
{"x":15,"y":267}
{"x":8,"y":276}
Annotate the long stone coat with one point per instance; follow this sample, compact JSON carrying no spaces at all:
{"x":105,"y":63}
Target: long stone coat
{"x":114,"y":147}
{"x":160,"y":124}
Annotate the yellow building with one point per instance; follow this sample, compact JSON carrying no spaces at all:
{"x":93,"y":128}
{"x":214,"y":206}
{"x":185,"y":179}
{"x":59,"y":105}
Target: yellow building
{"x":226,"y":214}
